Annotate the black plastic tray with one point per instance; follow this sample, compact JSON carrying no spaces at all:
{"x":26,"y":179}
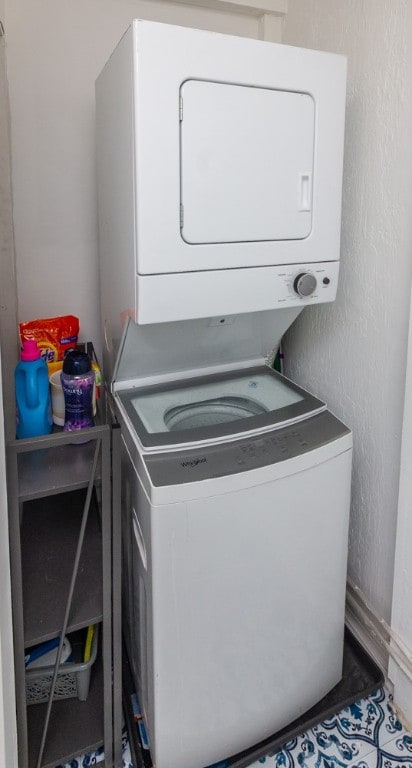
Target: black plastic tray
{"x":360,"y":677}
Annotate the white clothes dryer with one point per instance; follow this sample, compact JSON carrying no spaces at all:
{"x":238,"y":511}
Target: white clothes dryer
{"x":219,"y":175}
{"x":236,"y":489}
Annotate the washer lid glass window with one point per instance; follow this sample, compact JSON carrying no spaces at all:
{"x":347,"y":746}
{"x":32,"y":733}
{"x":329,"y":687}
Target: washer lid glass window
{"x":215,"y":406}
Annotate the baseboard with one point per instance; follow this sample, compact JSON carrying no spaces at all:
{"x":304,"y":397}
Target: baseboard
{"x":402,"y":695}
{"x":375,"y":635}
{"x":366,"y":626}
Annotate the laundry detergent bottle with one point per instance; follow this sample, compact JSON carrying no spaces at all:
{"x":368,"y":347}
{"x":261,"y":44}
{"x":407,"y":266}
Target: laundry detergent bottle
{"x":31,"y":379}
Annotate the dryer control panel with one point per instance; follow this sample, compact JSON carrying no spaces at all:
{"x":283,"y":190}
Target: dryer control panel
{"x":290,"y":285}
{"x":307,"y":283}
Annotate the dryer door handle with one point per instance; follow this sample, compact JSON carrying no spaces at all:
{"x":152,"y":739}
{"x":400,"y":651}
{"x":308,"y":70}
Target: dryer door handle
{"x":305,"y":192}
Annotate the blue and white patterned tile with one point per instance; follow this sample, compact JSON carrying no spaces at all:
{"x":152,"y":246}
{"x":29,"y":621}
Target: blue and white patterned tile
{"x":359,"y":729}
{"x":299,"y":752}
{"x":396,"y":753}
{"x":84,"y":761}
{"x":368,"y":734}
{"x":304,"y":752}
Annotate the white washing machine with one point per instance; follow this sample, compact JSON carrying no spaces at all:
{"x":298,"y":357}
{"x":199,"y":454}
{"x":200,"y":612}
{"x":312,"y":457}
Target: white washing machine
{"x":236,"y":489}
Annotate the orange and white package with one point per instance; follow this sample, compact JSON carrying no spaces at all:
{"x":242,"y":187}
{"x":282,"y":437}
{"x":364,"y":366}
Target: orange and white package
{"x":54,"y":335}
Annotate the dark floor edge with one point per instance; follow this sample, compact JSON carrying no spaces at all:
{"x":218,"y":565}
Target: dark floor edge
{"x":136,"y":750}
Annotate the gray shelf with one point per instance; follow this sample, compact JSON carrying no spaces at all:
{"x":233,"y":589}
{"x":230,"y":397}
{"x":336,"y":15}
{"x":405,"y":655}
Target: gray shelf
{"x":47,"y":566}
{"x":54,"y":470}
{"x":45,"y":478}
{"x":54,"y":463}
{"x":76,"y":727}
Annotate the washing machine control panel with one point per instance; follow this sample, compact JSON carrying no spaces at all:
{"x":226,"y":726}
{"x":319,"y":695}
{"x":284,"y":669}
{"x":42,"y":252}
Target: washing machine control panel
{"x":278,"y":447}
{"x":242,"y":455}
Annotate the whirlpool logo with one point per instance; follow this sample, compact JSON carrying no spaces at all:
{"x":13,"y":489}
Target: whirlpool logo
{"x":193,"y":462}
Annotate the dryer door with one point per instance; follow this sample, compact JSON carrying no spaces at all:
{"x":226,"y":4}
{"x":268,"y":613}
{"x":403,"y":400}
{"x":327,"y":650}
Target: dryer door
{"x":246,"y":163}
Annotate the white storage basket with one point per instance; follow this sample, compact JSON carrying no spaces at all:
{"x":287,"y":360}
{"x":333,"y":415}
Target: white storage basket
{"x":73,"y":679}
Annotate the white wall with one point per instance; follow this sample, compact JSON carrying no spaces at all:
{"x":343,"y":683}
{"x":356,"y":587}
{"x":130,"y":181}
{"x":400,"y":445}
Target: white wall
{"x":402,"y":586}
{"x":353,"y":353}
{"x":56,"y":48}
{"x":8,"y":736}
{"x":8,"y":297}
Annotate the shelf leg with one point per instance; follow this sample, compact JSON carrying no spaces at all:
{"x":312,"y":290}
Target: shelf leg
{"x":69,"y":599}
{"x":117,"y":597}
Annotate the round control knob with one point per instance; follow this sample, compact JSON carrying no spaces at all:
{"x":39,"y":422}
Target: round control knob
{"x":305,"y":284}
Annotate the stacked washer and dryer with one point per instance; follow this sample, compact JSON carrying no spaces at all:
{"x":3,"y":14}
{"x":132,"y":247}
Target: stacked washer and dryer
{"x":219,"y":181}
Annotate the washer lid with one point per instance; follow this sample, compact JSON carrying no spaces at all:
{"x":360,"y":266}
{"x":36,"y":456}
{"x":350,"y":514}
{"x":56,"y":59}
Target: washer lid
{"x":215,"y":407}
{"x":148,"y":354}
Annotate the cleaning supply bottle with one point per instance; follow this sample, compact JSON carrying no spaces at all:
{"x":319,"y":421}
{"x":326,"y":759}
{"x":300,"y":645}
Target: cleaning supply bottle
{"x":31,"y":378}
{"x":77,"y":380}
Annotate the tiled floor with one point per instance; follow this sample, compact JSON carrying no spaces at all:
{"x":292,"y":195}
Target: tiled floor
{"x":367,"y":734}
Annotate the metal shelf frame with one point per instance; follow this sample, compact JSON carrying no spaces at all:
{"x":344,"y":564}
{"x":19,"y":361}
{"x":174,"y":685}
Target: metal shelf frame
{"x":38,"y":468}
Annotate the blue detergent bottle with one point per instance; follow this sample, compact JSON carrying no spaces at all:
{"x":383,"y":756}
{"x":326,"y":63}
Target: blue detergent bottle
{"x":31,"y":379}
